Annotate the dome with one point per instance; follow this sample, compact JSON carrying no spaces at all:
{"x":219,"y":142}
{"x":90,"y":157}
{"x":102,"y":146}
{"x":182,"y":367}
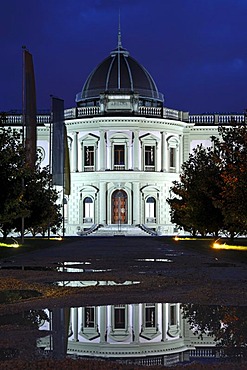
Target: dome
{"x":119,"y":74}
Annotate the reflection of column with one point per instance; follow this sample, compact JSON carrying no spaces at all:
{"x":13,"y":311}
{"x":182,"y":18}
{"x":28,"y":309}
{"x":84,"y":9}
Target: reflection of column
{"x":103,"y":327}
{"x":136,"y":152}
{"x":102,"y":206}
{"x":136,"y":204}
{"x":75,"y":152}
{"x":163,"y":322}
{"x":102,"y":145}
{"x":75,"y":329}
{"x":135,"y":323}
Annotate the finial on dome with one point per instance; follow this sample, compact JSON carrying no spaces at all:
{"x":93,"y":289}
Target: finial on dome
{"x":119,"y":31}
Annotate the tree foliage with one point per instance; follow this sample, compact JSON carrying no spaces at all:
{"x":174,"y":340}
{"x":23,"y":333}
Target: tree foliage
{"x":210,"y":196}
{"x":226,"y":324}
{"x":26,"y":193}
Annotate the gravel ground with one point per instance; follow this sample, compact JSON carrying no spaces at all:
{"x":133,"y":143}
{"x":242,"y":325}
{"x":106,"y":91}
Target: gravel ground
{"x":168,"y":271}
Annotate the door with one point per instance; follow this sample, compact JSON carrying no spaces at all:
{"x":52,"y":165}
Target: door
{"x":119,"y":207}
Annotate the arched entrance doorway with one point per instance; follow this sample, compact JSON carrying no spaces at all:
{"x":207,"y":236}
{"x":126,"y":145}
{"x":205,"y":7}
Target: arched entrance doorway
{"x":119,"y":207}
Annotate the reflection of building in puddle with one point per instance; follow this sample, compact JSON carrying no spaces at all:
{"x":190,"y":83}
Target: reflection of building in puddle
{"x":154,"y":259}
{"x":146,"y":333}
{"x":86,"y":283}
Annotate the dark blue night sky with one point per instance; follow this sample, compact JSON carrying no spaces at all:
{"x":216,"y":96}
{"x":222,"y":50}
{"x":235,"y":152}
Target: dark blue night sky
{"x":196,"y":50}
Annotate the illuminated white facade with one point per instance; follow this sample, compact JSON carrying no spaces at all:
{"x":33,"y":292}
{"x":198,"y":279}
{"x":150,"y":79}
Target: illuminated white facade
{"x":125,"y":150}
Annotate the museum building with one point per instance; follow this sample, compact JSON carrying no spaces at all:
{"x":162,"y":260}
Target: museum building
{"x":126,"y":148}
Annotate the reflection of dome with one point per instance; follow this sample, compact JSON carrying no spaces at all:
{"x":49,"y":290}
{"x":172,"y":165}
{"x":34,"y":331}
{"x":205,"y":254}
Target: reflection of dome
{"x":119,"y":74}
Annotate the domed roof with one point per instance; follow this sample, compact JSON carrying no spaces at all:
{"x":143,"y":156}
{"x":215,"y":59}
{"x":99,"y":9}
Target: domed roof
{"x":119,"y":73}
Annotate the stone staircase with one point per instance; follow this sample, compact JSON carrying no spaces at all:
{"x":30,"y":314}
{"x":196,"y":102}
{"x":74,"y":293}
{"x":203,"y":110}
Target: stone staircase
{"x":118,"y":230}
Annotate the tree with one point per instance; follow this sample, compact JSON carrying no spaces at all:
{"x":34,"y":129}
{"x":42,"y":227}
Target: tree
{"x":232,"y":156}
{"x":226,"y":324}
{"x":41,"y":198}
{"x":211,"y":194}
{"x":12,"y":171}
{"x":25,"y":192}
{"x":191,"y":201}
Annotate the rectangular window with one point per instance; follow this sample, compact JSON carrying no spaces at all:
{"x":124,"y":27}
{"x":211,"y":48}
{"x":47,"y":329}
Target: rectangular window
{"x":119,"y":157}
{"x":172,"y":157}
{"x":119,"y":316}
{"x":150,"y":315}
{"x":89,"y":156}
{"x":149,"y":155}
{"x":173,"y":315}
{"x":89,"y":317}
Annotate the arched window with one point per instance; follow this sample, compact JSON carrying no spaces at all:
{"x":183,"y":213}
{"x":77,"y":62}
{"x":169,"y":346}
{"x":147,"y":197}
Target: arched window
{"x":150,"y":210}
{"x":88,"y":210}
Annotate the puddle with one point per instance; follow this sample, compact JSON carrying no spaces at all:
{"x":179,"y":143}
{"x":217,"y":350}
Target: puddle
{"x":86,"y":283}
{"x":59,"y":267}
{"x":78,"y":267}
{"x":154,"y":259}
{"x":153,"y":333}
{"x":28,"y":268}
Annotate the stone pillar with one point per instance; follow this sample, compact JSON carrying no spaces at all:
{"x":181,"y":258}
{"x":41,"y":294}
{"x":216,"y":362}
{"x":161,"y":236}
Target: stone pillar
{"x":164,"y":323}
{"x":177,"y":151}
{"x":136,"y":165}
{"x":163,"y":151}
{"x":135,"y":323}
{"x":103,"y":325}
{"x":75,"y":152}
{"x":136,"y":203}
{"x":102,"y":145}
{"x":75,"y":329}
{"x":158,"y":157}
{"x":80,"y":157}
{"x":127,"y":156}
{"x":102,"y":206}
{"x":181,"y":149}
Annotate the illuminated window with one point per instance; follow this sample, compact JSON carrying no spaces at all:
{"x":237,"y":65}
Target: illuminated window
{"x":119,"y":316}
{"x":172,"y":157}
{"x":89,"y":317}
{"x":173,"y":315}
{"x":150,"y":327}
{"x":88,"y":209}
{"x":150,"y":315}
{"x":88,"y":157}
{"x":150,"y":209}
{"x":149,"y":158}
{"x":118,"y":156}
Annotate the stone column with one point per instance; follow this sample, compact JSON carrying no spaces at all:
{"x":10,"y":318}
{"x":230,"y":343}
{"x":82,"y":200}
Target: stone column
{"x":102,"y":204}
{"x":103,"y":325}
{"x":136,"y":165}
{"x":180,"y":152}
{"x":135,"y":323}
{"x":102,"y":145}
{"x":164,"y":323}
{"x":163,"y":152}
{"x":127,"y":156}
{"x":75,"y":152}
{"x":75,"y":329}
{"x":136,"y":203}
{"x":158,"y":157}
